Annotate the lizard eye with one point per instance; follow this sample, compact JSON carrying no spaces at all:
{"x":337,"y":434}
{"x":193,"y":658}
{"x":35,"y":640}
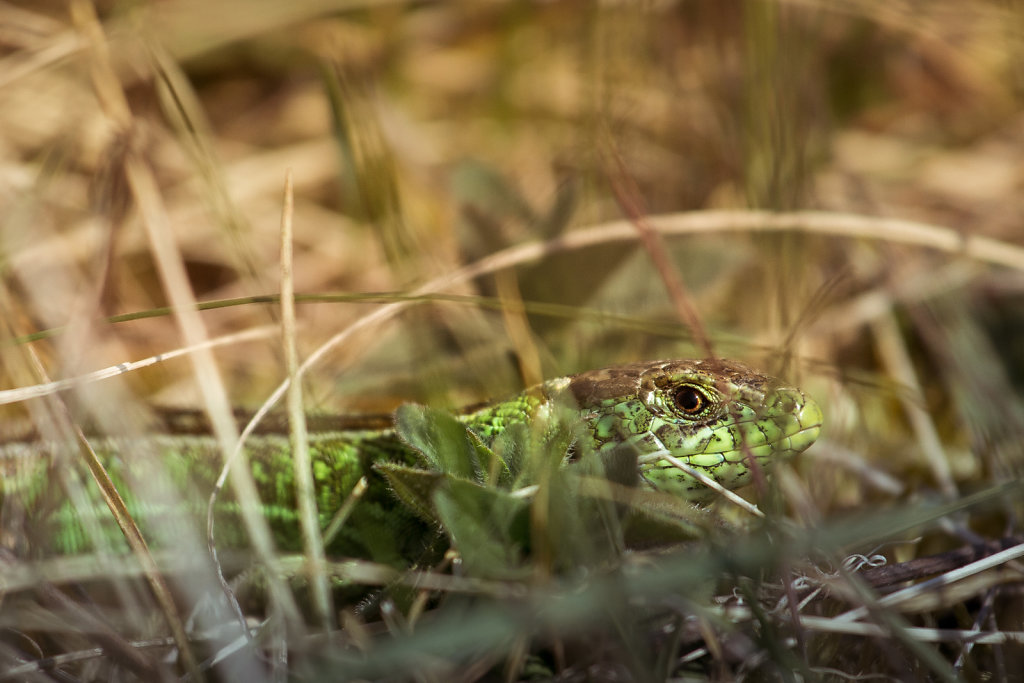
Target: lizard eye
{"x":690,"y":400}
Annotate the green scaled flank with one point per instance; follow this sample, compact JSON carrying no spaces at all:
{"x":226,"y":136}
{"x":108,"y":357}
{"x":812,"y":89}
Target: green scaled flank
{"x":713,"y":415}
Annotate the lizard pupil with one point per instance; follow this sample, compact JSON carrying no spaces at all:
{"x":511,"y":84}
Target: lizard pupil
{"x":689,"y":400}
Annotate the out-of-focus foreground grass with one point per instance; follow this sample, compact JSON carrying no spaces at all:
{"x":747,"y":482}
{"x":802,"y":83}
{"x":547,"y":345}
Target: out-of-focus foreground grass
{"x":143,"y":152}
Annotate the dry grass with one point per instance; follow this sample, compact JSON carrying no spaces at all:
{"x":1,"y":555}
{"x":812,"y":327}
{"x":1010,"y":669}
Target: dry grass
{"x":836,"y":190}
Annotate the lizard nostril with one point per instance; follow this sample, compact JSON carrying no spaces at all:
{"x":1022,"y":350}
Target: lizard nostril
{"x":786,"y":400}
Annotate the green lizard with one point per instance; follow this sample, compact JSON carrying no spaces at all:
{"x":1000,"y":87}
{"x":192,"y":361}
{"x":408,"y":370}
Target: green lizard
{"x":715,"y":416}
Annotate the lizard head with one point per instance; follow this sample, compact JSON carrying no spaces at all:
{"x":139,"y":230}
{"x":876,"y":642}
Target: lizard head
{"x":714,"y":416}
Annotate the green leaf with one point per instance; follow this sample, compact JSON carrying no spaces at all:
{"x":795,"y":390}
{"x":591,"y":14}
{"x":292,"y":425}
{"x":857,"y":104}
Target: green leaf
{"x":414,"y":487}
{"x":447,"y":445}
{"x":488,"y":527}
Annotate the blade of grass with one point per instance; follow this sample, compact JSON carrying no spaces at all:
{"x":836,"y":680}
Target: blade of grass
{"x":893,"y":351}
{"x":298,"y":438}
{"x":112,"y":99}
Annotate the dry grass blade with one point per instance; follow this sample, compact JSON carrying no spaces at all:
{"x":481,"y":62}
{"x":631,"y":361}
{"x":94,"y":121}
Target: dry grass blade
{"x":894,"y":354}
{"x":945,"y":579}
{"x":112,"y":98}
{"x":57,"y":386}
{"x":628,"y":197}
{"x":924,"y":635}
{"x":298,"y":435}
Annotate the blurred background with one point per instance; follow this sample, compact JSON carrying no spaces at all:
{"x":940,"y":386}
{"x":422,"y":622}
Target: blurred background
{"x":144,"y":148}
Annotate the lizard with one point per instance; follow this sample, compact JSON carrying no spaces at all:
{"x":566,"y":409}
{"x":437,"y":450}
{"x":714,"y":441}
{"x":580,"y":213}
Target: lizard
{"x":718,"y":417}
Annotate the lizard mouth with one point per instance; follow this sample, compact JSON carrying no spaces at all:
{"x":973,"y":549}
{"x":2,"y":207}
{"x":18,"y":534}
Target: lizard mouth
{"x":795,"y":419}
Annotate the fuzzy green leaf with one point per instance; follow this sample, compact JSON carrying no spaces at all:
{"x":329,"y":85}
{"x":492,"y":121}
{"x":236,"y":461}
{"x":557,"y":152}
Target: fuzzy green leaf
{"x":414,"y":487}
{"x":447,"y":445}
{"x":489,"y":527}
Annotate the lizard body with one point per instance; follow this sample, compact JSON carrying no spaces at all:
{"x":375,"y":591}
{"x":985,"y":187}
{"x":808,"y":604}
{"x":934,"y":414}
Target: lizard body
{"x":713,"y":415}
